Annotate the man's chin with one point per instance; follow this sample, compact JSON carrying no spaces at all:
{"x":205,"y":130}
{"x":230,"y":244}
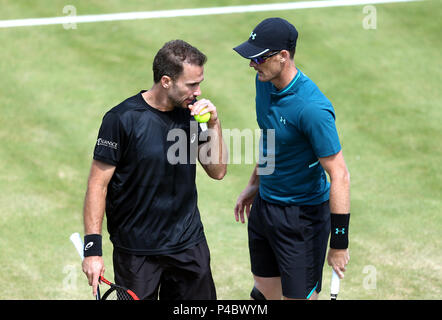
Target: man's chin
{"x":181,"y":104}
{"x":262,"y":77}
{"x":185,"y":105}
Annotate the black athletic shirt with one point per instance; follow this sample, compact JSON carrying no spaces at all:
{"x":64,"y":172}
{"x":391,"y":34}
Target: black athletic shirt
{"x":151,"y":204}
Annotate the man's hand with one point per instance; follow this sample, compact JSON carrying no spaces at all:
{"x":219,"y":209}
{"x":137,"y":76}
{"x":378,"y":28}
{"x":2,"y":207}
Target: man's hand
{"x":245,"y":201}
{"x":338,"y":259}
{"x":93,"y":267}
{"x":208,"y":106}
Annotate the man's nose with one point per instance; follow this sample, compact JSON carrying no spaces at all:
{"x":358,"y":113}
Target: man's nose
{"x":252,"y":64}
{"x":197,"y":92}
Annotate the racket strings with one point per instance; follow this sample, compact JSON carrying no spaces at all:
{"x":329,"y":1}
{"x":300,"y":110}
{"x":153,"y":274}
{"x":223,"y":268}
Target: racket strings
{"x":119,"y":294}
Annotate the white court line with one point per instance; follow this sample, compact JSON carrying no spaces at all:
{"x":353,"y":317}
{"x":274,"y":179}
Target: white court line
{"x":189,"y":12}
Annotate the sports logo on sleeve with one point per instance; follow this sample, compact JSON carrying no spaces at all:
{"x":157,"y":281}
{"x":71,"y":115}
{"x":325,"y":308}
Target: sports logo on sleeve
{"x":106,"y":143}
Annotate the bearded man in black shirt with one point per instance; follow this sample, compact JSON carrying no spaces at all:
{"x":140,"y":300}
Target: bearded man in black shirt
{"x":148,"y":191}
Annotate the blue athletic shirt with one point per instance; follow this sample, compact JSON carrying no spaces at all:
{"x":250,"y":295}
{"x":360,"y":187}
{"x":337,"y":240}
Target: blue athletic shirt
{"x":304,"y":123}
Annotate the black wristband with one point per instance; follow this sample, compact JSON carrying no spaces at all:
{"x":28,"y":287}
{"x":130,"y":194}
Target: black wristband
{"x":339,"y":230}
{"x":92,"y":245}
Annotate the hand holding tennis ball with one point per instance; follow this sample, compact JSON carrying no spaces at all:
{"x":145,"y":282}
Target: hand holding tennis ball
{"x":201,"y":118}
{"x":206,"y":106}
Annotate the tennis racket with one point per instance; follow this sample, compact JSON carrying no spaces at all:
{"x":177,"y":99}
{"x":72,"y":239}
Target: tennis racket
{"x":334,"y":286}
{"x":115,"y":292}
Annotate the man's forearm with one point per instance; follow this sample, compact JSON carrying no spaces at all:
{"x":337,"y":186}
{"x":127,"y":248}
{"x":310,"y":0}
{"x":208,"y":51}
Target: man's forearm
{"x":254,"y":178}
{"x":214,"y":155}
{"x":340,"y":193}
{"x":94,"y":208}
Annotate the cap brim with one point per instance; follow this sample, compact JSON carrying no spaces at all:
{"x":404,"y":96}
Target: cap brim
{"x":249,"y":51}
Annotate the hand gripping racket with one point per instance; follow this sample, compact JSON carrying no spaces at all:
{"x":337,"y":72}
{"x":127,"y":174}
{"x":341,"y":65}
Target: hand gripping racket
{"x":115,"y":292}
{"x":334,"y":287}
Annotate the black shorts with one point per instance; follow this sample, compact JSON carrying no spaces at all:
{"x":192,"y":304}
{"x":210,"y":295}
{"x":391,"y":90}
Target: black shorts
{"x":289,"y":242}
{"x":182,"y":276}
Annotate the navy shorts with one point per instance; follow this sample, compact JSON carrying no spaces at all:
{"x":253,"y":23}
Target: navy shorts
{"x":289,"y":242}
{"x":181,"y":276}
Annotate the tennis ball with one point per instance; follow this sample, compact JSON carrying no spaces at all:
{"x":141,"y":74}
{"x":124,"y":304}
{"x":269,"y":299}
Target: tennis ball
{"x":202,"y":118}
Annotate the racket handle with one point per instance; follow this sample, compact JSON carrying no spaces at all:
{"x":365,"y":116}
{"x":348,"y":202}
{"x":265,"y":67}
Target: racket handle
{"x":334,"y":286}
{"x":98,"y":296}
{"x":78,"y":243}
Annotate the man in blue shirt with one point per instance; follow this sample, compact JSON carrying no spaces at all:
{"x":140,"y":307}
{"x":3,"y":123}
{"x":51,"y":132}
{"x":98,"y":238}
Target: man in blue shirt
{"x":292,"y":208}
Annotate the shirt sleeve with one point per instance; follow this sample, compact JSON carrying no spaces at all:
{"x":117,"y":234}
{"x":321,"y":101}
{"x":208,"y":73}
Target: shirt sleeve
{"x":318,"y":124}
{"x":110,"y":140}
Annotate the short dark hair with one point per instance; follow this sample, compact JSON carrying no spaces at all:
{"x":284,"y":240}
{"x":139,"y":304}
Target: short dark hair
{"x":170,"y":58}
{"x":292,"y":53}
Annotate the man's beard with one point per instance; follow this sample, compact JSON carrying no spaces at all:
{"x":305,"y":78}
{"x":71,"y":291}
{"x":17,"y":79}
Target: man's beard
{"x":178,"y":103}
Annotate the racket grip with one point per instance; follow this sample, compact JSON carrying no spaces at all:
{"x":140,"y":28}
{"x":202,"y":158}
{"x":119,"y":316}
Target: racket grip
{"x":98,"y":296}
{"x":334,"y":287}
{"x":78,"y":243}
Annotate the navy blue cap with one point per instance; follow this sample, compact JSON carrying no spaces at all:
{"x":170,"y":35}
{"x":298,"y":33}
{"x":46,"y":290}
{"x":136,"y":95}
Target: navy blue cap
{"x":272,"y":34}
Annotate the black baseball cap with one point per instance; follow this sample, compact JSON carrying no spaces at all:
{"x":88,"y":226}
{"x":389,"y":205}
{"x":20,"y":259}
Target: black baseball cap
{"x":272,"y":34}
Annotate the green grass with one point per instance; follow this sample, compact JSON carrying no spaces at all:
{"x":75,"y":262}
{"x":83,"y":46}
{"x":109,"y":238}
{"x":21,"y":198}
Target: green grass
{"x":56,"y":84}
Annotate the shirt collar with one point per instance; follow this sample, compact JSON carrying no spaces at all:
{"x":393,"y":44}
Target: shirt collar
{"x":288,"y":89}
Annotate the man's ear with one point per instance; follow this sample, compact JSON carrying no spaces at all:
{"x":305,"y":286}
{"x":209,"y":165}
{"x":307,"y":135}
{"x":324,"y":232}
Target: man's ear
{"x":284,"y":56}
{"x":166,"y":82}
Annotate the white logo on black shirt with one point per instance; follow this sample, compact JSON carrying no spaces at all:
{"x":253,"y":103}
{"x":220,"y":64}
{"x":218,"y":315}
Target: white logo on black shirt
{"x":106,"y":143}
